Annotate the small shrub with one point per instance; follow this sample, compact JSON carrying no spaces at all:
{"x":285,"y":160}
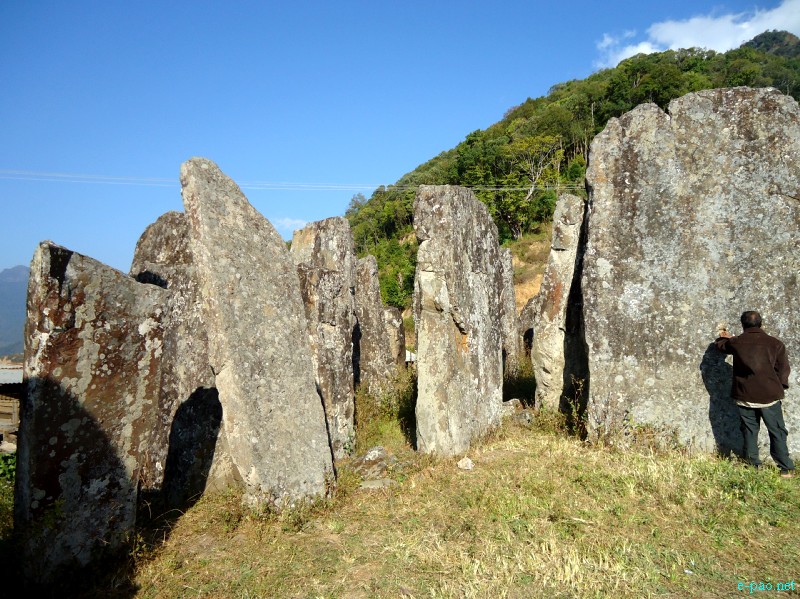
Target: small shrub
{"x":550,"y":421}
{"x":8,"y":466}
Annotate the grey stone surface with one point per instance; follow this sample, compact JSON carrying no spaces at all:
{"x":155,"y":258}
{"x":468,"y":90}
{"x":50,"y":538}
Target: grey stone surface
{"x":508,"y":310}
{"x":258,"y":341}
{"x":457,"y":315}
{"x":525,"y":323}
{"x":555,"y":339}
{"x":326,"y":261}
{"x":396,"y":332}
{"x":694,"y":218}
{"x":189,"y":447}
{"x":375,"y":363}
{"x":511,"y":407}
{"x":94,"y":339}
{"x":375,"y":464}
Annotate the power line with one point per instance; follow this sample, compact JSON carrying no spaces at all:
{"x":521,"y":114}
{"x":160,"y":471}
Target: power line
{"x":75,"y":178}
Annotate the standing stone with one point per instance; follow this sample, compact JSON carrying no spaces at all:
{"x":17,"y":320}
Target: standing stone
{"x":694,"y":218}
{"x":93,"y":343}
{"x":185,"y":447}
{"x":457,"y":315}
{"x":258,"y":341}
{"x":396,"y":333}
{"x":373,"y":356}
{"x":525,"y":323}
{"x":326,"y":260}
{"x":556,"y":364}
{"x":508,"y":310}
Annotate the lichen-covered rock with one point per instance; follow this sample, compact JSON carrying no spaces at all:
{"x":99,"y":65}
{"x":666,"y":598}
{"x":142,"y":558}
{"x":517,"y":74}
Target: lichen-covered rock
{"x":164,"y":257}
{"x":508,"y":310}
{"x":93,"y":344}
{"x":374,"y":360}
{"x":694,"y":218}
{"x":326,"y":260}
{"x":557,"y":336}
{"x":258,"y":341}
{"x":457,"y":315}
{"x":525,"y":324}
{"x":396,"y":332}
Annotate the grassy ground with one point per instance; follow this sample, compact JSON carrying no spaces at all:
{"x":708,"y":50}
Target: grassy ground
{"x":542,"y":514}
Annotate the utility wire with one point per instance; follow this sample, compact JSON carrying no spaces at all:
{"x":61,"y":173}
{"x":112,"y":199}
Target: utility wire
{"x":20,"y":175}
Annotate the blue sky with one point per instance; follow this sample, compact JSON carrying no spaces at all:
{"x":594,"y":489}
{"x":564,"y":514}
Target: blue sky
{"x":304,"y":104}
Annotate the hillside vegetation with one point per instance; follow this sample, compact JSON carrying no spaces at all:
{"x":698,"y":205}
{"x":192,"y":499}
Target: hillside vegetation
{"x":518,"y":166}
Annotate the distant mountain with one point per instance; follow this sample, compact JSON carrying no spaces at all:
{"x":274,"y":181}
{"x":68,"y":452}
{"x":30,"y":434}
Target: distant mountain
{"x":13,"y":293}
{"x":779,"y":43}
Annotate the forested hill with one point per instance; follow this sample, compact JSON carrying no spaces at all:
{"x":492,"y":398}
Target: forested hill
{"x":518,"y":165}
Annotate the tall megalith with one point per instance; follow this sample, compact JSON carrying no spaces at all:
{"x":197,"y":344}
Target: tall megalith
{"x":190,"y":454}
{"x":258,"y":341}
{"x":374,"y":362}
{"x":457,"y":313}
{"x":93,"y":344}
{"x":326,"y":262}
{"x":694,"y":217}
{"x":396,"y":332}
{"x":508,"y":310}
{"x":556,"y":349}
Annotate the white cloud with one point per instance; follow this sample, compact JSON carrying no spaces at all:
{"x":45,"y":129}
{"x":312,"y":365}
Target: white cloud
{"x":287,"y":226}
{"x":714,"y":32}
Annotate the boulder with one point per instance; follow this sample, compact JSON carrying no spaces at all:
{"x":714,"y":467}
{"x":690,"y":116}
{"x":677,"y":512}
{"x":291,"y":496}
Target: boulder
{"x":694,"y":217}
{"x":258,"y":342}
{"x":558,"y":365}
{"x":94,"y":338}
{"x":325,"y":258}
{"x":374,"y":360}
{"x":457,"y":314}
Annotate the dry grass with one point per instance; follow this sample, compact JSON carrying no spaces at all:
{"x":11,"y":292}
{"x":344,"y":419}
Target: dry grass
{"x":530,"y":254}
{"x":541,"y":515}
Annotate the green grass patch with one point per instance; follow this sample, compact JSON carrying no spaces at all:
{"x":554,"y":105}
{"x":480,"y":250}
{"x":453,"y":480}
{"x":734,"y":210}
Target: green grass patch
{"x":542,"y":514}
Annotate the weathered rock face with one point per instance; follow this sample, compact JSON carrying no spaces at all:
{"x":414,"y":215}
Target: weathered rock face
{"x":164,"y":257}
{"x":396,"y":332}
{"x":525,"y":323}
{"x":258,"y":341}
{"x":457,"y":315}
{"x":374,"y":360}
{"x":94,"y":339}
{"x":694,"y":218}
{"x":557,"y":365}
{"x":508,"y":310}
{"x":325,"y":258}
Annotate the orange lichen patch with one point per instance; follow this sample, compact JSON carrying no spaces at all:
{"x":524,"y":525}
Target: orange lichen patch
{"x":462,"y":340}
{"x":554,"y":300}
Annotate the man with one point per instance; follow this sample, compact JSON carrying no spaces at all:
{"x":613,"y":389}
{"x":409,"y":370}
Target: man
{"x":760,"y":374}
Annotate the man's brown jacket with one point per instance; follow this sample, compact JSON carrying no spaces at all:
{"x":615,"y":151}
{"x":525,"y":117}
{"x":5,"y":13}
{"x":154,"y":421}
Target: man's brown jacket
{"x":760,"y":366}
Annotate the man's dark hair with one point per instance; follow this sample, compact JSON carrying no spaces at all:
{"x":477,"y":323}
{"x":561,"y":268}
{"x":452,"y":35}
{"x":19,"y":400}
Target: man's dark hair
{"x":751,"y":319}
